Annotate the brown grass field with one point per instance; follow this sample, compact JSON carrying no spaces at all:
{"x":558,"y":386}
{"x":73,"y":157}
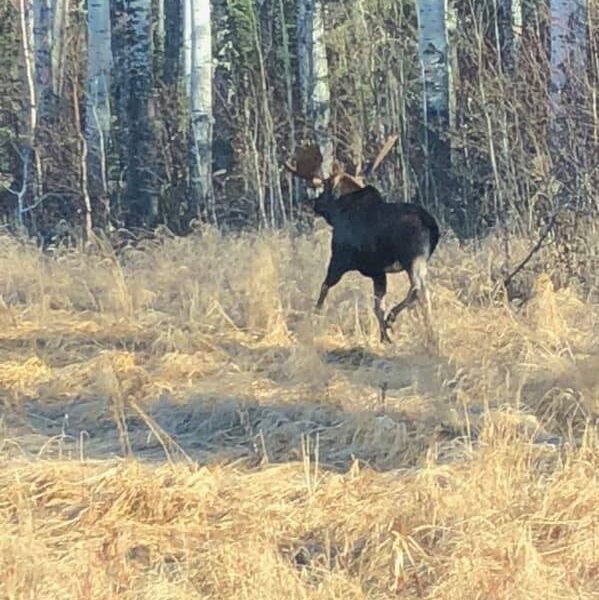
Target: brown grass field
{"x":176,"y":422}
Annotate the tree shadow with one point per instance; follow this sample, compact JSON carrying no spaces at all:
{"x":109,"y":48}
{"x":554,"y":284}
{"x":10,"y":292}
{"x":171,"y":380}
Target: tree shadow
{"x":215,"y":432}
{"x":210,"y":427}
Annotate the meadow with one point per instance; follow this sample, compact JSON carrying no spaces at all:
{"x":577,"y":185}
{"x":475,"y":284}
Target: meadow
{"x":177,"y":422}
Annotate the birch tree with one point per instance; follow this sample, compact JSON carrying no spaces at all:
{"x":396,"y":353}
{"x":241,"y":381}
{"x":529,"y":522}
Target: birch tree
{"x":142,"y":200}
{"x":160,"y":33}
{"x":313,"y":72}
{"x":200,"y":102}
{"x":31,"y":117}
{"x":435,"y":19}
{"x":568,"y":73}
{"x":433,"y":55}
{"x":60,"y":11}
{"x":187,"y":43}
{"x":568,"y":45}
{"x":97,"y":105}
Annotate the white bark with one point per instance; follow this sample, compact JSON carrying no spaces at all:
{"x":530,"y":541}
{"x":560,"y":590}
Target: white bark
{"x":516,"y":21}
{"x":187,"y":43}
{"x":25,"y":13}
{"x":60,"y":10}
{"x":433,"y":54}
{"x":304,"y":52}
{"x":315,"y":94}
{"x":160,"y":28}
{"x":200,"y":102}
{"x":26,"y":19}
{"x":568,"y":43}
{"x":321,"y":95}
{"x":99,"y":63}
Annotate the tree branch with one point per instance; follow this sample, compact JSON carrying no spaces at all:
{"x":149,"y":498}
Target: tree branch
{"x":533,"y":250}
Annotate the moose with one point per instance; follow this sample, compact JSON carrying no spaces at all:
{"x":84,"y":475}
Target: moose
{"x":370,"y":235}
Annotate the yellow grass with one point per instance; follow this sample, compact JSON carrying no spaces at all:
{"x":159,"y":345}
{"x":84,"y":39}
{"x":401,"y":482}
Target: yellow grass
{"x":176,"y":422}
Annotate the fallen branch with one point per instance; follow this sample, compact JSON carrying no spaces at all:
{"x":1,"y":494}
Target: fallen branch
{"x":533,"y":250}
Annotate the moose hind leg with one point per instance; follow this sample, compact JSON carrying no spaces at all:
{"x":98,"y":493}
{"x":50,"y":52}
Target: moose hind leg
{"x":380,"y":289}
{"x":413,"y":293}
{"x":411,"y":297}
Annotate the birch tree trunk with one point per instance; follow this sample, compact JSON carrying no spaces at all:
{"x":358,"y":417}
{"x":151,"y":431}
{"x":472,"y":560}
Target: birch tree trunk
{"x":304,"y":52}
{"x":160,"y":34}
{"x":568,"y":45}
{"x":60,"y":10}
{"x":433,"y":54}
{"x":200,"y":102}
{"x":97,"y":105}
{"x":567,"y":83}
{"x":187,"y":44}
{"x":434,"y":21}
{"x":313,"y":71}
{"x":142,"y":200}
{"x":320,"y":108}
{"x":30,"y":118}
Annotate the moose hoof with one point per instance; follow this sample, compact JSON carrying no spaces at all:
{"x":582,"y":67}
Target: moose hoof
{"x":384,"y":335}
{"x":385,"y":339}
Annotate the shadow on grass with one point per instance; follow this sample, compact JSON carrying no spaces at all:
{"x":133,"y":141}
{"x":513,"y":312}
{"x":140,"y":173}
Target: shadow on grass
{"x":214,"y":431}
{"x":210,"y":426}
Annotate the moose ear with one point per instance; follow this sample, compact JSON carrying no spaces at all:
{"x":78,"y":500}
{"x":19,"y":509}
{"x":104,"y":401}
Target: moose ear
{"x":347,"y":184}
{"x":337,"y":169}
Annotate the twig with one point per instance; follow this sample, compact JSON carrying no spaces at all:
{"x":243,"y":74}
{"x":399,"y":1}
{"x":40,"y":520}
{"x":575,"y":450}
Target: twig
{"x":39,"y":200}
{"x":533,"y":250}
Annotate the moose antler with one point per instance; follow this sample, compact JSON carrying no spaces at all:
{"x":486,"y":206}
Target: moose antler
{"x":384,"y":151}
{"x":371,"y":168}
{"x":308,"y":164}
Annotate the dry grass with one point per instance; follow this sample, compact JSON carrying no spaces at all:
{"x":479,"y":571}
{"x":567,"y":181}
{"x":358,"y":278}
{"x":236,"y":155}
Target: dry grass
{"x":177,"y":423}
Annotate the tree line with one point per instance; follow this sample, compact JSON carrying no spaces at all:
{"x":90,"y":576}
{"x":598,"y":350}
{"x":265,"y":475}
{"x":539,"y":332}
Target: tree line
{"x":135,"y":113}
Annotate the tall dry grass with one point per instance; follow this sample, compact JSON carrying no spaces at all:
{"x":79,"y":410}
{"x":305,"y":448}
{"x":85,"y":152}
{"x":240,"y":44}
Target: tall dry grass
{"x":178,"y":423}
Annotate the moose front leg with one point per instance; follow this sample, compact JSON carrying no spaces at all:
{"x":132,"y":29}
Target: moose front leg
{"x":334,"y":273}
{"x":324,"y":290}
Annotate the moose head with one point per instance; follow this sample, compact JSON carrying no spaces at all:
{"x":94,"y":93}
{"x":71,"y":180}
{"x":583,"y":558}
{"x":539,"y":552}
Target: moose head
{"x":308,"y":166}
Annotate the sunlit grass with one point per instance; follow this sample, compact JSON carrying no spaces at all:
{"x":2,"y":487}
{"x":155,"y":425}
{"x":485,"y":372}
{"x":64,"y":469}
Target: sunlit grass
{"x":178,"y":423}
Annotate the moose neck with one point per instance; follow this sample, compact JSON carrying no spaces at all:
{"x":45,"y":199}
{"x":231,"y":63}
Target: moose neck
{"x":325,"y":203}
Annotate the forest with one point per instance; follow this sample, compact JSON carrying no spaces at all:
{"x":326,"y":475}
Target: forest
{"x":145,"y":113}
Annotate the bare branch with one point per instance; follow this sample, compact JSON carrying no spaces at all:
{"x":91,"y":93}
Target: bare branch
{"x":533,"y":250}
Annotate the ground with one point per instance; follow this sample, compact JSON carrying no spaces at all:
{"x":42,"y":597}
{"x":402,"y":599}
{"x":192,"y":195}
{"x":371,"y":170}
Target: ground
{"x":177,"y":422}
